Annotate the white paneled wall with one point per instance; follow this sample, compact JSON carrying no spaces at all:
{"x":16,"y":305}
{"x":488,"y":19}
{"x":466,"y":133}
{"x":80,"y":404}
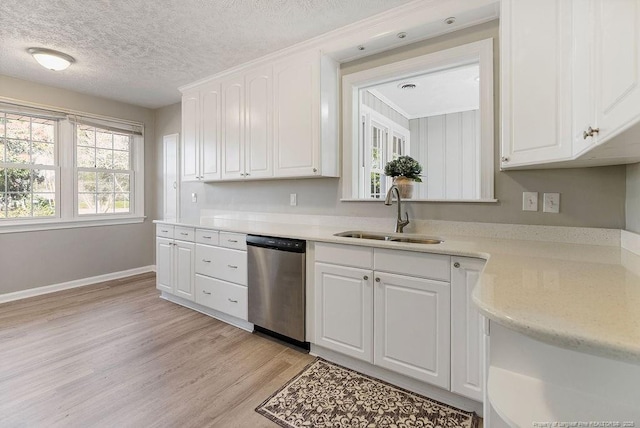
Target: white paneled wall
{"x":376,"y":104}
{"x":446,"y":146}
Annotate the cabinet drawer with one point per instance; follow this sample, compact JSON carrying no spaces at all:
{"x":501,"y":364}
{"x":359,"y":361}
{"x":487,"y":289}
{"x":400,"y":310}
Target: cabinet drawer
{"x":184,"y":233}
{"x":222,"y":296}
{"x":164,"y":230}
{"x":204,"y":236}
{"x":222,"y":263}
{"x":426,"y":265}
{"x":346,"y":255}
{"x":237,"y":241}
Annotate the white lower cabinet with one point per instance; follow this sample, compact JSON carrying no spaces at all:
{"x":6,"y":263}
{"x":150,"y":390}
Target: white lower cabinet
{"x":412,"y":327}
{"x":398,"y":320}
{"x":344,"y":310}
{"x":222,"y":296}
{"x":175,"y":262}
{"x":466,"y":329}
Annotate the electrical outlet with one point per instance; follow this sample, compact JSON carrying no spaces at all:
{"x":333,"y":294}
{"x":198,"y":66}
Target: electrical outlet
{"x":293,"y":199}
{"x":529,"y":201}
{"x":194,"y":197}
{"x":551,"y":203}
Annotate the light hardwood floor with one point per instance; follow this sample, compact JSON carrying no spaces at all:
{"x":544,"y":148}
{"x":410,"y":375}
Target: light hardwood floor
{"x":116,"y":355}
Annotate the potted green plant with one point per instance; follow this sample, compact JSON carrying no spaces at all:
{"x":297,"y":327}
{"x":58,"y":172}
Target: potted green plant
{"x":405,"y":170}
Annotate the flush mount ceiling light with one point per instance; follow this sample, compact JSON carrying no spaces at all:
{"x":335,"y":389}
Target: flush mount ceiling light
{"x":50,"y":59}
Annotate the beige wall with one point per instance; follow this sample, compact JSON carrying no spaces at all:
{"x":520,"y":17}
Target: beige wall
{"x":633,"y":198}
{"x":591,"y":197}
{"x":35,"y":259}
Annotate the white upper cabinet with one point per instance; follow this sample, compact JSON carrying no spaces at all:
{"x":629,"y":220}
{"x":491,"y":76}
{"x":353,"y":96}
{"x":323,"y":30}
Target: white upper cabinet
{"x":201,"y":133}
{"x":535,"y":71}
{"x":306,"y":116}
{"x":570,"y":82}
{"x":233,"y":128}
{"x":273,"y":120}
{"x":259,"y":123}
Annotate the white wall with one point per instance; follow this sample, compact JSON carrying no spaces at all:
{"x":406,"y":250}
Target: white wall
{"x":35,"y":259}
{"x":447,"y":148}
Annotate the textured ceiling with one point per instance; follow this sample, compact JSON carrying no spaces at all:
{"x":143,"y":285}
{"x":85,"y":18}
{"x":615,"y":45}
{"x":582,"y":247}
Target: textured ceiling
{"x":140,"y":51}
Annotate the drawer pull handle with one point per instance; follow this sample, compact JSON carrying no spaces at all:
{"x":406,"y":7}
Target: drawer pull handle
{"x":232,"y":240}
{"x":184,"y":234}
{"x":206,"y":237}
{"x":233,"y":267}
{"x":233,"y":301}
{"x":164,"y":231}
{"x":206,"y":261}
{"x":207,"y":292}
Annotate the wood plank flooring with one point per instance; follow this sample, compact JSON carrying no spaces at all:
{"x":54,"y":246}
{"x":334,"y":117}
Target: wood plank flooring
{"x":116,"y":355}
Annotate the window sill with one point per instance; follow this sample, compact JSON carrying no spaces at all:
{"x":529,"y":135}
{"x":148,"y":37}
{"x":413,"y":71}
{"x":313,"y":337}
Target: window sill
{"x":53,"y":224}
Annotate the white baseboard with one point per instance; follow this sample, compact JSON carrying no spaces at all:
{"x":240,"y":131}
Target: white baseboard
{"x":630,"y":241}
{"x":32,"y":292}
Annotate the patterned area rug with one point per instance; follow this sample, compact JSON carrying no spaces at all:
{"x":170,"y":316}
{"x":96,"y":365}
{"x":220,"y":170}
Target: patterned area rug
{"x":327,"y":395}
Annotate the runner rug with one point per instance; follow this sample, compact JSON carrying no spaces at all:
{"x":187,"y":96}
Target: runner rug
{"x":328,"y":395}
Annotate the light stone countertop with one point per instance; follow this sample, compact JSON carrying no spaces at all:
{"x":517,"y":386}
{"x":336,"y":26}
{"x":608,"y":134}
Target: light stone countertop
{"x":577,"y":296}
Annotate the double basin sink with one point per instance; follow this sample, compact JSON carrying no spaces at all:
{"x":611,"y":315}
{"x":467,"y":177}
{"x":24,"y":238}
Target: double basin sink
{"x":357,"y":234}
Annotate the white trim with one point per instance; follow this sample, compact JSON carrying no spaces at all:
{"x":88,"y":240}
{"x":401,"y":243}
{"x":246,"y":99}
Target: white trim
{"x":236,"y":322}
{"x":376,"y":93}
{"x":480,"y":51}
{"x":32,"y":226}
{"x":38,"y":291}
{"x":630,"y":241}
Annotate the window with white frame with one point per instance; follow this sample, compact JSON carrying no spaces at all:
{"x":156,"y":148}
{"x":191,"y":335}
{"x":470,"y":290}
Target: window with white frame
{"x":28,"y":166}
{"x":384,"y":140}
{"x":66,"y":167}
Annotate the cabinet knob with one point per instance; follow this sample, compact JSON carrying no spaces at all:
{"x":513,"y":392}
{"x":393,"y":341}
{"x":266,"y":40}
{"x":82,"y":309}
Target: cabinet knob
{"x":377,"y":279}
{"x":456,"y":265}
{"x":247,"y":174}
{"x":242,"y":174}
{"x":504,"y":159}
{"x":366,"y":277}
{"x":315,"y":169}
{"x":589,"y":132}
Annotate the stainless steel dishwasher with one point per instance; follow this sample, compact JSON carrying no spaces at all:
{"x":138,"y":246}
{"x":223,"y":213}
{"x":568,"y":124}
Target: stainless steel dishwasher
{"x":276,"y":282}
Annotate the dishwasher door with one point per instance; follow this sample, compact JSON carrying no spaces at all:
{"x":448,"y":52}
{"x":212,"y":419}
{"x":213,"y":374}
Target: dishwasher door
{"x":276,"y":283}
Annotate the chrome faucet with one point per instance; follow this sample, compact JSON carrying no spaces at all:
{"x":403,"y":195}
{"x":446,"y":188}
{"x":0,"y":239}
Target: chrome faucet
{"x":400,"y":223}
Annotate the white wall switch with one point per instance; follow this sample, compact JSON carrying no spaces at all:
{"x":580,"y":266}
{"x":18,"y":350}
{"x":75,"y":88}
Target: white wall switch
{"x":194,"y":197}
{"x":293,"y":199}
{"x":529,"y":201}
{"x":551,"y":203}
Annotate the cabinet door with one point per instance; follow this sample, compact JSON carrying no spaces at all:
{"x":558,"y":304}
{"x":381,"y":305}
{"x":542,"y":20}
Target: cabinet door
{"x":536,"y":81}
{"x":259,"y":123}
{"x":344,"y":310}
{"x":297,"y":116}
{"x":210,"y":139}
{"x":190,"y":137}
{"x":466,"y":329}
{"x":233,"y":128}
{"x":617,"y":44}
{"x":412,"y":327}
{"x":185,"y":269}
{"x":164,"y":264}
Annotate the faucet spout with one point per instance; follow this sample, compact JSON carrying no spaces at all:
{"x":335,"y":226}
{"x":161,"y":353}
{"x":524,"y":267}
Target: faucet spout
{"x":400,"y":222}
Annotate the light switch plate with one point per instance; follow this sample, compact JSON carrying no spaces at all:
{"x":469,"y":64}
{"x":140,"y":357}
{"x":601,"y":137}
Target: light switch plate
{"x":529,"y":201}
{"x":551,"y":203}
{"x":194,"y":197}
{"x":293,"y":199}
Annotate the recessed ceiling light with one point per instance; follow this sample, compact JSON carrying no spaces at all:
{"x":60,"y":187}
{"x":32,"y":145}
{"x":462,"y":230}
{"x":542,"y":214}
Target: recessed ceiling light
{"x":361,"y":48}
{"x":401,"y":35}
{"x":407,"y":86}
{"x":50,"y":59}
{"x":450,"y":20}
